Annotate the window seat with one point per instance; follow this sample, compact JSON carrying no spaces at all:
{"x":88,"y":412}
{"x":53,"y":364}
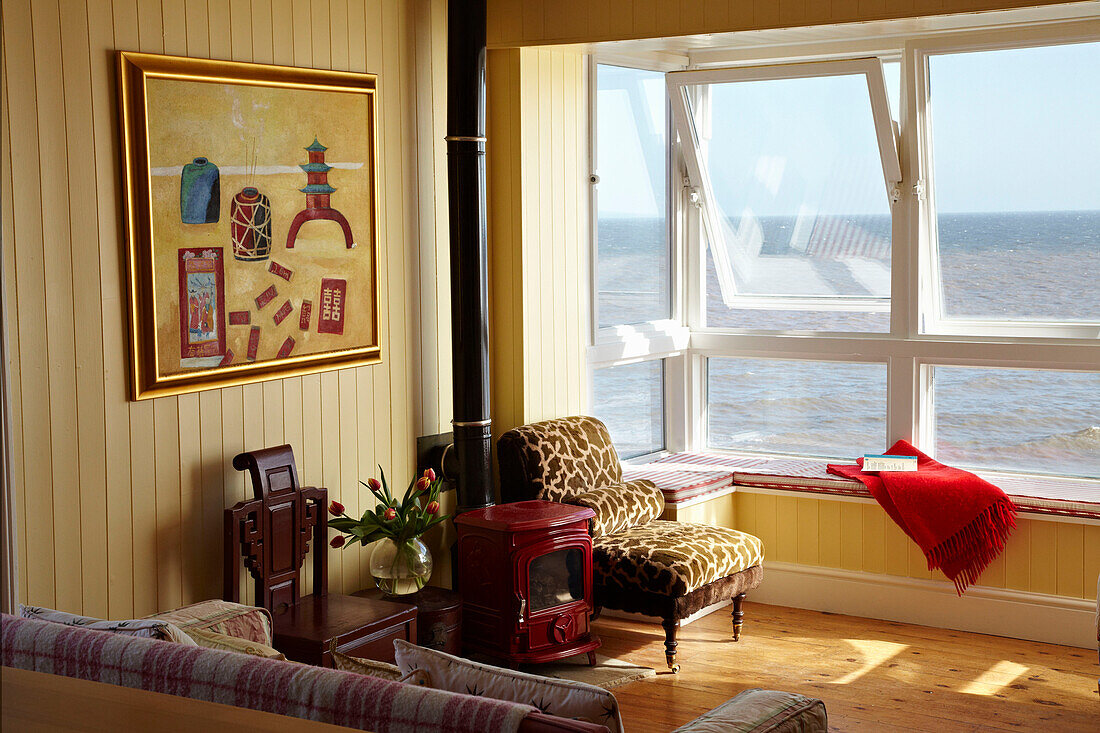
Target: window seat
{"x":690,"y":477}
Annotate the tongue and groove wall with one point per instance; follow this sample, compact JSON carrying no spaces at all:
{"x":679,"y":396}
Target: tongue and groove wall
{"x":118,"y":503}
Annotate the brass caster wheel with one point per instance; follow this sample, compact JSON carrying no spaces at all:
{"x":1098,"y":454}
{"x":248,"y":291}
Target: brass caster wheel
{"x":674,"y":668}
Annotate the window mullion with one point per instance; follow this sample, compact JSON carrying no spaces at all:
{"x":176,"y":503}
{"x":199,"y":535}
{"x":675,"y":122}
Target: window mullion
{"x":901,"y":399}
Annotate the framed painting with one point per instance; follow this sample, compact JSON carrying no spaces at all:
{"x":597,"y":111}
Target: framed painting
{"x":250,"y":221}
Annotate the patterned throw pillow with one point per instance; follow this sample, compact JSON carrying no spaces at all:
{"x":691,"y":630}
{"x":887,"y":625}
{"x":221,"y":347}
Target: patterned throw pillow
{"x":374,"y":668}
{"x":147,"y":628}
{"x":223,"y":617}
{"x":621,"y":506}
{"x":563,"y":698}
{"x":214,"y":640}
{"x":763,"y":711}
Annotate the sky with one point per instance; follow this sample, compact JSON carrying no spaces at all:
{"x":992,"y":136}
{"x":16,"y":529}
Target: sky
{"x":1013,"y":130}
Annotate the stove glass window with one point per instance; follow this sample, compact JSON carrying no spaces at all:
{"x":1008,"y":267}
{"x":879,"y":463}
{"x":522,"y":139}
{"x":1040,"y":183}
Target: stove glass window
{"x":556,"y":578}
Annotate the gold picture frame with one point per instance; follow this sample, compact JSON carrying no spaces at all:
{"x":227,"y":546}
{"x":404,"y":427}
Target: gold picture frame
{"x":251,"y":221}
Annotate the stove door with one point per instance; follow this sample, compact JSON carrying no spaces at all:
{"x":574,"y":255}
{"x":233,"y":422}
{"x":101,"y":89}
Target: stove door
{"x":555,"y":579}
{"x":556,"y":587}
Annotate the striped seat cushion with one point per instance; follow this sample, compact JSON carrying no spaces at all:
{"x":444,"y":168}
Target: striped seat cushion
{"x":1036,"y":494}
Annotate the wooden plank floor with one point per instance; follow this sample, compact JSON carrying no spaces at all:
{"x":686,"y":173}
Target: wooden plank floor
{"x":873,"y":675}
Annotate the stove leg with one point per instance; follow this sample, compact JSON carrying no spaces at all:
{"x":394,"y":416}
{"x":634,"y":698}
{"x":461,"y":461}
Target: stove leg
{"x":596,"y":613}
{"x":591,"y":659}
{"x":738,"y":616}
{"x":671,"y":626}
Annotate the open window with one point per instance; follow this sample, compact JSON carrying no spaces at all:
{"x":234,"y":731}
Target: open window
{"x":633,"y":262}
{"x":794,"y":168}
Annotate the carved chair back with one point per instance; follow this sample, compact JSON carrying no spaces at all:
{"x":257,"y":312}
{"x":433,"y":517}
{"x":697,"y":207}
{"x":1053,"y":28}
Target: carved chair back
{"x":270,"y":534}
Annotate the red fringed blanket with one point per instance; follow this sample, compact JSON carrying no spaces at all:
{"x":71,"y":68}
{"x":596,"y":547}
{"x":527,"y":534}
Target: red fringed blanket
{"x":960,"y":521}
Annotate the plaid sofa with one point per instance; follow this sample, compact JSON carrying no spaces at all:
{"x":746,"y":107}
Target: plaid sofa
{"x":285,"y":688}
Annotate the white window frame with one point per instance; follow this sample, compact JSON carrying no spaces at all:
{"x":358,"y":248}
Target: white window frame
{"x":665,"y":339}
{"x":909,"y":349}
{"x":664,"y":327}
{"x":679,"y":84}
{"x":916,"y":55}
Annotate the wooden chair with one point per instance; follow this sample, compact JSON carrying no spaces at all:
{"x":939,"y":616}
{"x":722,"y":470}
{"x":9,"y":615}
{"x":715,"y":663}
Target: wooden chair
{"x":270,"y":537}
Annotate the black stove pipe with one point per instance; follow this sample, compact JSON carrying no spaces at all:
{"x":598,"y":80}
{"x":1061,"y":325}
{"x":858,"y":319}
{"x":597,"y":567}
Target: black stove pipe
{"x":469,"y":254}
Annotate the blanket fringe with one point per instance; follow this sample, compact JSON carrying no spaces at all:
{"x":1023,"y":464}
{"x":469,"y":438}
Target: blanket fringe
{"x":976,"y":545}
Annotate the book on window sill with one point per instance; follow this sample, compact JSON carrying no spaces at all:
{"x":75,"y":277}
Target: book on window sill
{"x":874,"y":462}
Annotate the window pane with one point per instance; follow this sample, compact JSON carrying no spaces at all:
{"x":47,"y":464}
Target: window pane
{"x":1016,"y":154}
{"x":1029,"y":420}
{"x":630,"y":400}
{"x":830,"y":409}
{"x":796,"y":174}
{"x":631,"y":209}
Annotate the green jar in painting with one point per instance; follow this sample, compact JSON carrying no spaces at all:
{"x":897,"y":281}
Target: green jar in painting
{"x":200,"y":192}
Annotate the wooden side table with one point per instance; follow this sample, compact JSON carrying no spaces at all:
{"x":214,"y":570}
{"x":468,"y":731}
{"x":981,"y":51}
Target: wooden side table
{"x":312,"y":629}
{"x":438,"y":619}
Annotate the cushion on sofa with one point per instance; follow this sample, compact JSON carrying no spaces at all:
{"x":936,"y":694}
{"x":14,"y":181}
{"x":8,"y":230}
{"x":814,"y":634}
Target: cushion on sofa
{"x":224,"y":617}
{"x":375,"y":668}
{"x":762,"y":711}
{"x":147,"y":628}
{"x":563,"y":698}
{"x":213,"y":640}
{"x":621,"y":506}
{"x":672,"y":558}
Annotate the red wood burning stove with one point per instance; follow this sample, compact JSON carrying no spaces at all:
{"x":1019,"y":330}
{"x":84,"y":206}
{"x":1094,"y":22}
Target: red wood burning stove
{"x":525,"y":574}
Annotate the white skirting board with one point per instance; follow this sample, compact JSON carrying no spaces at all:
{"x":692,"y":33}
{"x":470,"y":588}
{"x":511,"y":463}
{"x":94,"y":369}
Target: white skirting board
{"x":996,"y":611}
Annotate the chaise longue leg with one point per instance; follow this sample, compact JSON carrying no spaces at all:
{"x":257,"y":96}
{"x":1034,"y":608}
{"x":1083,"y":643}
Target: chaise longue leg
{"x":671,"y":626}
{"x":738,"y":616}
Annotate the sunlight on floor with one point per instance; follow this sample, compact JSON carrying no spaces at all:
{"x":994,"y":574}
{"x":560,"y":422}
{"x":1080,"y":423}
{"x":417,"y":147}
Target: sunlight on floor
{"x":994,"y":679}
{"x":874,"y":653}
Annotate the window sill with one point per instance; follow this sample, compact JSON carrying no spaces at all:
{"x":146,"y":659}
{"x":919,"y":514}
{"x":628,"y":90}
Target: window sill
{"x":687,"y":478}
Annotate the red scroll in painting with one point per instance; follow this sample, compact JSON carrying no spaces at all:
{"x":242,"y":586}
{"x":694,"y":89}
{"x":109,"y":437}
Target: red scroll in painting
{"x":284,"y":311}
{"x":283,"y":272}
{"x":202,"y":306}
{"x":334,"y":294}
{"x":266,"y":297}
{"x":303,"y":318}
{"x":253,"y":343}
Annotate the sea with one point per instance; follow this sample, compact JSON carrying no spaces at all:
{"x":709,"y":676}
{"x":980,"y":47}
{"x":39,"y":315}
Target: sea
{"x":998,"y":266}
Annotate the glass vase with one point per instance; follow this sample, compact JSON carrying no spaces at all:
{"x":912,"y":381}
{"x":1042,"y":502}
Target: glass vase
{"x":400,"y":569}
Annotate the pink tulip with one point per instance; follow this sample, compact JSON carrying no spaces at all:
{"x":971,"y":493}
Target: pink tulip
{"x":390,"y":514}
{"x":374,"y":484}
{"x":336,"y":508}
{"x":432,"y":508}
{"x":338,"y":541}
{"x":430,"y":474}
{"x":423,"y":483}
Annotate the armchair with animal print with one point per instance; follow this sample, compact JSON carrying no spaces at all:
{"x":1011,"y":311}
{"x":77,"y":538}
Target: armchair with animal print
{"x":639,"y":563}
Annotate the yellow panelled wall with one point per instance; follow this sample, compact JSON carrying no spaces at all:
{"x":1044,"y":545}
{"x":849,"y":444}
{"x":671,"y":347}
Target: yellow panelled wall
{"x":538,"y":234}
{"x":535,"y":22}
{"x":120,"y":503}
{"x":1042,"y":556}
